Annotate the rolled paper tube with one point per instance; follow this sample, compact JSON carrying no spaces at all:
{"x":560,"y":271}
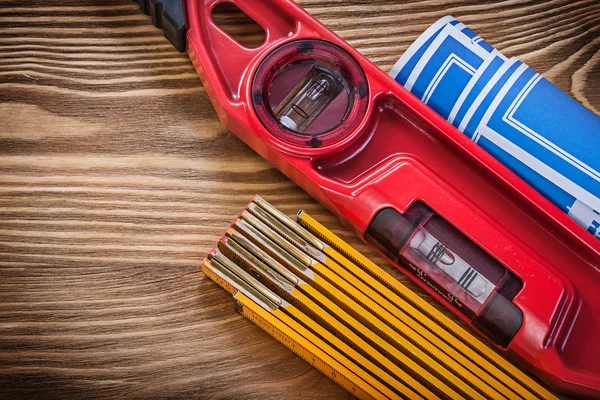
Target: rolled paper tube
{"x":539,"y":132}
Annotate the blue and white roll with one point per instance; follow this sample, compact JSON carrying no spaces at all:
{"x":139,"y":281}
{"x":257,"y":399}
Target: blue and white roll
{"x":538,"y":131}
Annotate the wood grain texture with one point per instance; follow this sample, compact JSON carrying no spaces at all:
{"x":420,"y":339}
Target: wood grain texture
{"x":116,"y":178}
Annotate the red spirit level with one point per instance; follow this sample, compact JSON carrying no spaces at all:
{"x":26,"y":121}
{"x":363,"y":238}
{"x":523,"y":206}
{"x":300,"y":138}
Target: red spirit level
{"x":460,"y":224}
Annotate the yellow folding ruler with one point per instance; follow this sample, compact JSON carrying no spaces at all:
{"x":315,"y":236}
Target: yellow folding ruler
{"x":350,"y":319}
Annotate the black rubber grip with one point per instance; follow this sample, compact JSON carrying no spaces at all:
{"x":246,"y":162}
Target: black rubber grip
{"x":169,"y":16}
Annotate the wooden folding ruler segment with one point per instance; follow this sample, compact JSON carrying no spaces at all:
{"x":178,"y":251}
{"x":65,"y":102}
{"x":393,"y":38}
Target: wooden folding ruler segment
{"x":350,"y":319}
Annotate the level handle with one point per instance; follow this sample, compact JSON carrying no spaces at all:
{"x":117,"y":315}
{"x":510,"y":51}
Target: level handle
{"x":222,"y":60}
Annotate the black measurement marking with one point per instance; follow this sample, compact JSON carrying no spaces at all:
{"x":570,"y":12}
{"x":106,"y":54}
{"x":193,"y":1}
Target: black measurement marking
{"x":436,"y":253}
{"x":464,"y":275}
{"x":300,"y":111}
{"x":322,"y":88}
{"x":467,"y":278}
{"x":475,"y":274}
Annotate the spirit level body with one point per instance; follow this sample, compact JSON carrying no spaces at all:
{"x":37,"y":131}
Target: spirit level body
{"x":396,"y":152}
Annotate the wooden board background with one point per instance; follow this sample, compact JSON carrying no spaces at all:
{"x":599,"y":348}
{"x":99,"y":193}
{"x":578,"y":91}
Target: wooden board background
{"x":116,"y":178}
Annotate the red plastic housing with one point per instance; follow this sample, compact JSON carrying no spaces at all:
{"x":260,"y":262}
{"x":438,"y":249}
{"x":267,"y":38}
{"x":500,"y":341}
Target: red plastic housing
{"x":399,"y":152}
